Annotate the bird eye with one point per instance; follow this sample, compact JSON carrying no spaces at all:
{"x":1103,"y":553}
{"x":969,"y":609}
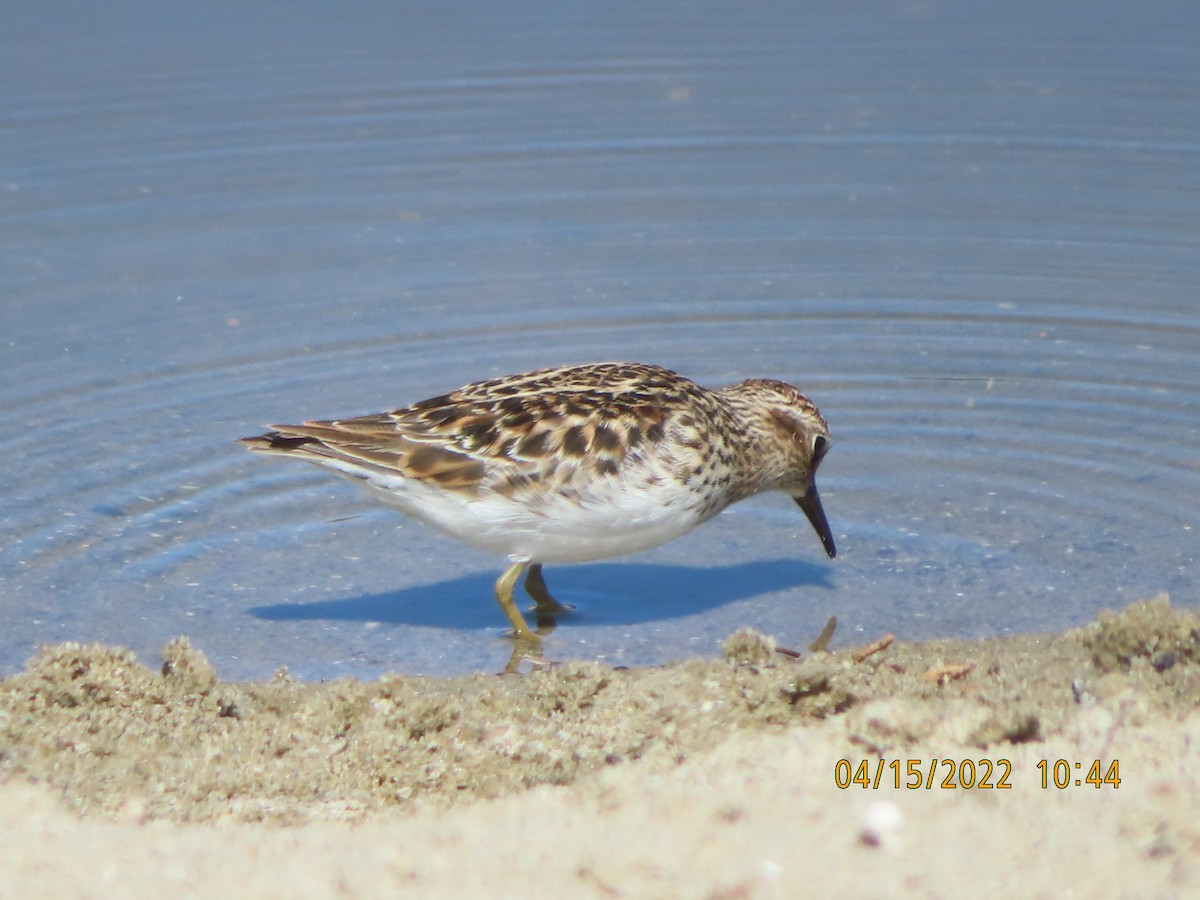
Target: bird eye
{"x":820,"y":446}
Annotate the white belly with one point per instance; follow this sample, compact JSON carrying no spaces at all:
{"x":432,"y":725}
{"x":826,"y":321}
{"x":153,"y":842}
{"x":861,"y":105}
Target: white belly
{"x":558,"y":530}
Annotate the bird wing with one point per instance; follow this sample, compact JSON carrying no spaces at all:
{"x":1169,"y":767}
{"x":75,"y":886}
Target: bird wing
{"x":554,"y":427}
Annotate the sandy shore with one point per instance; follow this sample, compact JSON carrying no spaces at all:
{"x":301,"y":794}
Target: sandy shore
{"x":699,"y":779}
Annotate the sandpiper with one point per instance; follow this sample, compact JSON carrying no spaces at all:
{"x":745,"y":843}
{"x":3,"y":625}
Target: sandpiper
{"x":575,"y":463}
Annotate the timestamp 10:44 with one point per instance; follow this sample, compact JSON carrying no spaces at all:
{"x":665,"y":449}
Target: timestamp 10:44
{"x":1062,"y":774}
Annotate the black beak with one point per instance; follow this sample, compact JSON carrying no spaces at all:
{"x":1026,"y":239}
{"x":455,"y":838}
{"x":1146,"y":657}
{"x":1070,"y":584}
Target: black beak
{"x":811,"y":504}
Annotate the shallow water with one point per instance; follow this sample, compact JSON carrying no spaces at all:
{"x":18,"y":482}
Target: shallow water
{"x":971,"y":236}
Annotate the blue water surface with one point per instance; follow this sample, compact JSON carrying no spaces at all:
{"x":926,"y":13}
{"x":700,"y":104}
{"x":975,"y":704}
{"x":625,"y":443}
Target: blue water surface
{"x":971,"y":232}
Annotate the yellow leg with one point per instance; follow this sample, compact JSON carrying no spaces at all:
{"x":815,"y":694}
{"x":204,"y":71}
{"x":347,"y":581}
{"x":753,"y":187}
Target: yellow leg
{"x":504,"y":596}
{"x":535,"y":586}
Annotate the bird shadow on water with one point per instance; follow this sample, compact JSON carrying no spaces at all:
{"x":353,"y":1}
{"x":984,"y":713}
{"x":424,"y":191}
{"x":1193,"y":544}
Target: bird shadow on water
{"x":601,"y":594}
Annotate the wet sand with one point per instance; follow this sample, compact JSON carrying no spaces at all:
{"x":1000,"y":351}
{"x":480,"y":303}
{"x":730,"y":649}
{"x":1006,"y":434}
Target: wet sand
{"x":699,"y":779}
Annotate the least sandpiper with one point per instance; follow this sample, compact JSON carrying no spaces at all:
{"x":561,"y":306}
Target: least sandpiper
{"x":575,"y":463}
